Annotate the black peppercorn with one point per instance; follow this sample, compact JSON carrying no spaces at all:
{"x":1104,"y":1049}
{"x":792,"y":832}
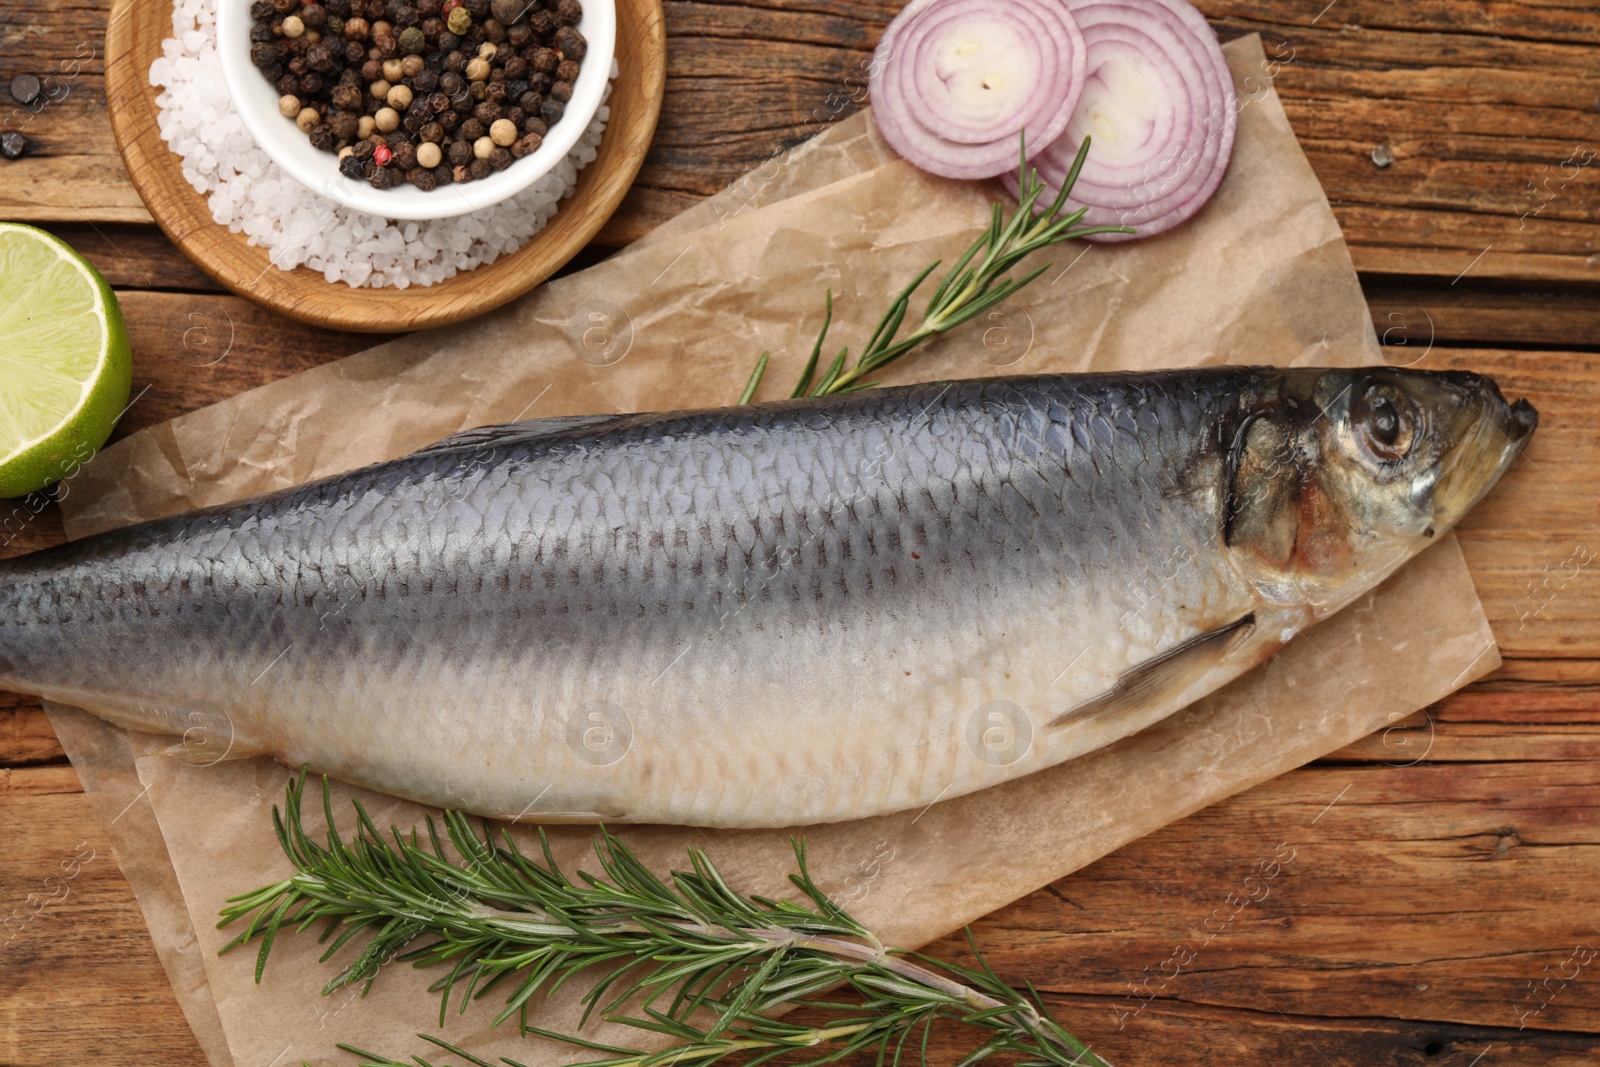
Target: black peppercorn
{"x":345,"y":125}
{"x":522,"y":85}
{"x":13,"y":145}
{"x":508,"y":12}
{"x":572,"y":43}
{"x":348,"y":97}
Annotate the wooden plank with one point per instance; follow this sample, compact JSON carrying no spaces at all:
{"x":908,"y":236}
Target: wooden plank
{"x":26,"y":737}
{"x":73,"y":172}
{"x":1434,"y":892}
{"x":1408,"y":314}
{"x":83,"y":984}
{"x":49,"y":780}
{"x":133,"y":256}
{"x":1480,"y":120}
{"x":1184,"y":1035}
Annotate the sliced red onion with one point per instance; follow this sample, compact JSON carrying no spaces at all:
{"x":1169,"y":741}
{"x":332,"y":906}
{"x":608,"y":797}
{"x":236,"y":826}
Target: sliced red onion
{"x":956,"y":83}
{"x":1159,"y":107}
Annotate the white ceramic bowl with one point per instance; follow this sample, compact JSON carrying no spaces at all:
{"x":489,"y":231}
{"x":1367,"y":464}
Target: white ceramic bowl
{"x":257,"y":102}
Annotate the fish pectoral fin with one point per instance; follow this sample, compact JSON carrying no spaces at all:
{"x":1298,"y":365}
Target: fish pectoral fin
{"x":1171,"y":672}
{"x":508,"y":433}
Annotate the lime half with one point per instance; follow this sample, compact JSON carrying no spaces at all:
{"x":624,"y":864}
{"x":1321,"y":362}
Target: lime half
{"x":65,"y":364}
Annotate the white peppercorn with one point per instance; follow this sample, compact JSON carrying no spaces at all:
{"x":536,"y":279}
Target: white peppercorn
{"x":429,"y":155}
{"x":387,"y":119}
{"x":503,"y":132}
{"x":399,"y":97}
{"x":289,"y":106}
{"x":483,"y":147}
{"x":293,"y":27}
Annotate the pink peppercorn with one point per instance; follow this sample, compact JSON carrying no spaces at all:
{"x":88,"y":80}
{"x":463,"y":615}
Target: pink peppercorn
{"x":382,"y":154}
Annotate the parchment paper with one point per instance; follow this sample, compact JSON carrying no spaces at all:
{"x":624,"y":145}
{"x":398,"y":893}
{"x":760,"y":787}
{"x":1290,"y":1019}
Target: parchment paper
{"x":1261,"y":275}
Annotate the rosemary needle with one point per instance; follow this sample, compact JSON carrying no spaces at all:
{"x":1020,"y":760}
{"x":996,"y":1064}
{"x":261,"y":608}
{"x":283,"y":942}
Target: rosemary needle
{"x":975,"y":284}
{"x":688,"y":958}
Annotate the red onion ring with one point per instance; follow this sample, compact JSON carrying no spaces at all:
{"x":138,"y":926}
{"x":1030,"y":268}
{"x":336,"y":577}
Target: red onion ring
{"x":962,"y":117}
{"x":1160,"y":108}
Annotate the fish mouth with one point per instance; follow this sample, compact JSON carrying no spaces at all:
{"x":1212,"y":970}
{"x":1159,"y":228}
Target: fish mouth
{"x":1500,"y":432}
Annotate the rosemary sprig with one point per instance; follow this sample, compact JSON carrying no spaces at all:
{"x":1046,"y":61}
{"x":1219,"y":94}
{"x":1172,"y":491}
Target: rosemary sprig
{"x":702,"y":963}
{"x":975,"y":284}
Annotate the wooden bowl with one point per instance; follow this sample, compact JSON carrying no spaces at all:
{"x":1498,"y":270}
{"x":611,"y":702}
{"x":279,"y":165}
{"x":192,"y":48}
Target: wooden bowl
{"x":133,"y":41}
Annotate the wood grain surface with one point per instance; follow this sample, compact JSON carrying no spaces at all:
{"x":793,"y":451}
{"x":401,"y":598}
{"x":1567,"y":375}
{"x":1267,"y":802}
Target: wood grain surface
{"x":1445,"y":880}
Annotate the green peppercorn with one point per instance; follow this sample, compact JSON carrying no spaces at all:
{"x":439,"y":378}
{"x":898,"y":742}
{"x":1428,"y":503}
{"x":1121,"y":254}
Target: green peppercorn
{"x":412,"y":41}
{"x":460,"y":21}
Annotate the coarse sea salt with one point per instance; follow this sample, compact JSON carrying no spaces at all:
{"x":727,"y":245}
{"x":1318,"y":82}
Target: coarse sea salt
{"x":250,"y":194}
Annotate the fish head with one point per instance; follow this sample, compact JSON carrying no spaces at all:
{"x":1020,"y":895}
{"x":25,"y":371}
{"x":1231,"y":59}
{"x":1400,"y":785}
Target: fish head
{"x":1341,"y":476}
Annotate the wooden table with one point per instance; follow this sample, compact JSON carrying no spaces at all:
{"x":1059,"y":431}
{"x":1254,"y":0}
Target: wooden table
{"x":1443,"y":905}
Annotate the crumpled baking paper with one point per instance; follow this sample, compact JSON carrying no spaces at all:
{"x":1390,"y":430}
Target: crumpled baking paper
{"x":1261,"y":275}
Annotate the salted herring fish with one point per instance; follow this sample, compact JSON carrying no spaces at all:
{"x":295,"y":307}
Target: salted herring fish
{"x":779,"y":614}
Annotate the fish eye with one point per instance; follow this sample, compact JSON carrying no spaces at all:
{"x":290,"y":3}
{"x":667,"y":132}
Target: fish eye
{"x":1384,"y":418}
